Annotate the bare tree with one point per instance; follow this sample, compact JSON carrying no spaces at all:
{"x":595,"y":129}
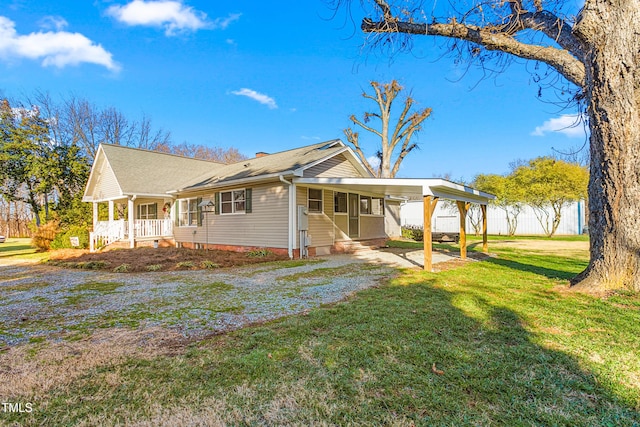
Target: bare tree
{"x":596,"y":48}
{"x":198,"y":151}
{"x":391,"y":138}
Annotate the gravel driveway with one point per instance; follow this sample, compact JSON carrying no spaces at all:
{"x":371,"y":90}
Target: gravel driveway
{"x":38,"y":302}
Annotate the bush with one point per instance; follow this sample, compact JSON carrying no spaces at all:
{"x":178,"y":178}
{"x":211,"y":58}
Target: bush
{"x":209,"y":264}
{"x":122,"y":268}
{"x":44,"y":235}
{"x":185,"y":264}
{"x":413,"y":232}
{"x":63,"y":239}
{"x":259,"y":253}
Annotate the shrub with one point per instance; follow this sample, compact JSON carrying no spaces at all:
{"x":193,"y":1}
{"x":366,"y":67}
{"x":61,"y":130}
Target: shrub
{"x":44,"y":235}
{"x":122,"y":268}
{"x":185,"y":264}
{"x":259,"y":253}
{"x":63,"y":239}
{"x":154,"y":267}
{"x":413,"y":232}
{"x":95,"y":265}
{"x":209,"y":264}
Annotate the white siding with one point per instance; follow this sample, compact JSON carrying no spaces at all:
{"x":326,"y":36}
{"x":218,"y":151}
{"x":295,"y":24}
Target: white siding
{"x":392,"y":219}
{"x":446,"y":218}
{"x":265,"y":226}
{"x":371,"y":227}
{"x":341,"y":227}
{"x":106,"y":186}
{"x":320,"y":224}
{"x":335,"y":167}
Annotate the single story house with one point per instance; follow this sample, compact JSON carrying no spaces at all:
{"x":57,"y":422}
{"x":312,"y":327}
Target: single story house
{"x":307,"y":201}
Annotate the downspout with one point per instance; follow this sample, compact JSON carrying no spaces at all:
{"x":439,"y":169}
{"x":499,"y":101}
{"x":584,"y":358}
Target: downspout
{"x":290,"y":216}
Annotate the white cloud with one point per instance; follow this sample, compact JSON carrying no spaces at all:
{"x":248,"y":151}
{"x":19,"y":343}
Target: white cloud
{"x":223,"y":23}
{"x":567,"y":124}
{"x":53,"y":23}
{"x":257,"y":96}
{"x":172,"y":15}
{"x":374,"y":161}
{"x":55,"y":48}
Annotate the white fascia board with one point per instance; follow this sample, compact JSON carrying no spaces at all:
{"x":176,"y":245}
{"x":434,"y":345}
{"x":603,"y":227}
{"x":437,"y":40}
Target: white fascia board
{"x":359,"y":162}
{"x":400,"y":187}
{"x":90,"y":182}
{"x":107,"y":199}
{"x":151,"y":195}
{"x":300,"y":170}
{"x":466,"y":191}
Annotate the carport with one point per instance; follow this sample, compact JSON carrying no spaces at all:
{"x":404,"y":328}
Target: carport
{"x":430,"y":191}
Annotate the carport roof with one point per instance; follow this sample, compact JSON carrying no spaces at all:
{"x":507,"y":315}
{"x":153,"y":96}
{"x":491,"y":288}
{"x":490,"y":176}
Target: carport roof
{"x":408,"y":188}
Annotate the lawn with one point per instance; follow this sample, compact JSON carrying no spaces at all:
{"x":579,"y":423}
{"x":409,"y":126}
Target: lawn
{"x":494,"y":342}
{"x":21,"y":248}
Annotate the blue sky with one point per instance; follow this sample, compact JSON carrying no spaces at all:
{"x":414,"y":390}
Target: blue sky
{"x":260,"y":76}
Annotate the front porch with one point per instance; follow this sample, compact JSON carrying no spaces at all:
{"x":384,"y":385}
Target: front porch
{"x":107,"y":232}
{"x":141,"y":223}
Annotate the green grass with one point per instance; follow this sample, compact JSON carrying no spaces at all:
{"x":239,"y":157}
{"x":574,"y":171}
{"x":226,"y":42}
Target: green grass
{"x":510,"y":346}
{"x":21,"y":248}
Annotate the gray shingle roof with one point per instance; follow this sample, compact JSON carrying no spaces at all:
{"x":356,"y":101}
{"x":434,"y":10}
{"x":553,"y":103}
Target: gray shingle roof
{"x":150,"y":172}
{"x":284,"y":161}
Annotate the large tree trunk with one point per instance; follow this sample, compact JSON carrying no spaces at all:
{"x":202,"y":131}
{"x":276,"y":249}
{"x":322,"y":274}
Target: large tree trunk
{"x":611,"y":28}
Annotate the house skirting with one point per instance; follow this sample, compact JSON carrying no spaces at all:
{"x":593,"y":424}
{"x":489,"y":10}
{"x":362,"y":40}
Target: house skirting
{"x":232,"y":248}
{"x":347,"y":246}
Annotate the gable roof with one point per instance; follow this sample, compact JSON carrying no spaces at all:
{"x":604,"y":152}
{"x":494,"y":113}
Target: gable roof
{"x":290,"y":162}
{"x":145,"y":172}
{"x":151,"y":173}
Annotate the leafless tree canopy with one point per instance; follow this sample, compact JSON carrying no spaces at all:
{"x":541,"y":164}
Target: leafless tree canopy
{"x":395,"y":138}
{"x":486,"y":33}
{"x":78,"y":123}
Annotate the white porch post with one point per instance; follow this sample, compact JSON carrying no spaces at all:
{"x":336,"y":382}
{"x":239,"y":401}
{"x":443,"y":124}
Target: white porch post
{"x":95,"y":214}
{"x":131,"y":216}
{"x":110,"y":210}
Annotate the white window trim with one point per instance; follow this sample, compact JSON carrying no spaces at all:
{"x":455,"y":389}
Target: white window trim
{"x":335,"y":193}
{"x":139,"y":209}
{"x":233,"y":202}
{"x":381,"y":215}
{"x":195,"y":201}
{"x":321,"y":200}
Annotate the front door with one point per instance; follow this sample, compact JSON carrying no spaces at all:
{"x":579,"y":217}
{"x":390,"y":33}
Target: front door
{"x":354,"y":215}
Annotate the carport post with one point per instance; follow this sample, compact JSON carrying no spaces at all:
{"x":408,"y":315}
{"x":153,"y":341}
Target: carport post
{"x":485,"y":245}
{"x":429,"y":205}
{"x":463,"y":207}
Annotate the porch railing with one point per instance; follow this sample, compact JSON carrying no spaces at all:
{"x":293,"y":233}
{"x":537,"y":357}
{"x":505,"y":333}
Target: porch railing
{"x":145,"y":228}
{"x":108,"y":232}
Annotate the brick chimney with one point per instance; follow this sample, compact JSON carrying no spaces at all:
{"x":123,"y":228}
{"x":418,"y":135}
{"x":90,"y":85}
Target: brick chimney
{"x":261,"y":154}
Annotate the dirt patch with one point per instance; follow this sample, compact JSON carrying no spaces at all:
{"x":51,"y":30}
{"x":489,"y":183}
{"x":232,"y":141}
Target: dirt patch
{"x":557,"y":247}
{"x":161,"y":259}
{"x":34,"y":369}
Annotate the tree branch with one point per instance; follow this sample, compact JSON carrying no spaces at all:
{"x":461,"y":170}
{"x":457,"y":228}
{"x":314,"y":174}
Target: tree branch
{"x":494,"y":40}
{"x":363,"y":126}
{"x":352,"y":137}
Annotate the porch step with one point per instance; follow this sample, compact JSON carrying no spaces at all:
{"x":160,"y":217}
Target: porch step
{"x":351,"y":246}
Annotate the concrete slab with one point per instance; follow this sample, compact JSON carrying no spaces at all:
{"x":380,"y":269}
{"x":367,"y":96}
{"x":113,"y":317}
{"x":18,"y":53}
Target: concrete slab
{"x":397,"y":257}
